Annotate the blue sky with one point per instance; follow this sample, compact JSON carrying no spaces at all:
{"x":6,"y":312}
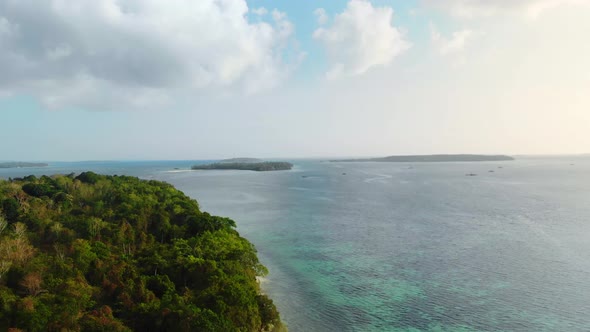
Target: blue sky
{"x":302,"y":15}
{"x":129,"y":79}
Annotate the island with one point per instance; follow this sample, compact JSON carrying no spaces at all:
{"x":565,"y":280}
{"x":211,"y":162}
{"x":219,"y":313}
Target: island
{"x":433,"y":158}
{"x":241,"y":160}
{"x":116,"y":253}
{"x":247,"y":166}
{"x":19,"y":164}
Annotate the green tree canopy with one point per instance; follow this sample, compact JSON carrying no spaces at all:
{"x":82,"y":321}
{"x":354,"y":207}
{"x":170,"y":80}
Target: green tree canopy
{"x":116,"y":253}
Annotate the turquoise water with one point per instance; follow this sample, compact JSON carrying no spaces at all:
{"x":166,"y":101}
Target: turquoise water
{"x":407,"y":247}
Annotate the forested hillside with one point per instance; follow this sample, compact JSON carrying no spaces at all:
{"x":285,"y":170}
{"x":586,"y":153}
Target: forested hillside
{"x":116,"y":253}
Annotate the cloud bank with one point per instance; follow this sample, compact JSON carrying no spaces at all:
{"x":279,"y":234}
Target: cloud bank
{"x":456,"y":43}
{"x":108,"y":54}
{"x":482,"y":8}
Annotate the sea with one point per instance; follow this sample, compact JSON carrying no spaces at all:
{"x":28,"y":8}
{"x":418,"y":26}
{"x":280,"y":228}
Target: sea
{"x":369,"y":246}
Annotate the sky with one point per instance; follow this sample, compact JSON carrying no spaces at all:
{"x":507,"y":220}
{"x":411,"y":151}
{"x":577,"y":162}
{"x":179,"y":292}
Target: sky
{"x":208,"y":79}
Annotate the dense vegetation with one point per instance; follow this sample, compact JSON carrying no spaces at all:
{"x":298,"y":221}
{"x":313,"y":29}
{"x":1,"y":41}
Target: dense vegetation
{"x":15,"y":164}
{"x":115,"y":253}
{"x":436,"y":158}
{"x":248,"y":166}
{"x":241,"y":160}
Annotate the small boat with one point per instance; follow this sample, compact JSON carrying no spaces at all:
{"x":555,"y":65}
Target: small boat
{"x":470,"y":174}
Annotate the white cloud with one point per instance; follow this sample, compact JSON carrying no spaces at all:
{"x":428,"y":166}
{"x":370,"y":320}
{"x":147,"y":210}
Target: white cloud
{"x":321,"y":15}
{"x":361,"y":37}
{"x":455,"y":44}
{"x":536,"y":8}
{"x":109,"y":54}
{"x":479,"y":8}
{"x":261,"y":11}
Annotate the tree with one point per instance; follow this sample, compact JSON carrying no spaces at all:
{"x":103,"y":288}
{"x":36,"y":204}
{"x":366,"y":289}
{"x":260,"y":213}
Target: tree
{"x":10,"y":208}
{"x":3,"y":224}
{"x":4,"y":262}
{"x":4,"y":267}
{"x":16,"y":249}
{"x":88,"y":177}
{"x":32,"y":283}
{"x":101,"y":320}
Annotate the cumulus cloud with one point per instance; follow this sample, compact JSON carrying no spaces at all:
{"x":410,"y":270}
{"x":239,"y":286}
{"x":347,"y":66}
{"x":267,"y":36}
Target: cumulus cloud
{"x":456,"y":43}
{"x":108,"y":54}
{"x":260,"y":11}
{"x":359,"y":38}
{"x":479,"y":8}
{"x":321,"y":15}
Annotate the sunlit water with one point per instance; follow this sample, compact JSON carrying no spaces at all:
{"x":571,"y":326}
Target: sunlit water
{"x":407,"y":247}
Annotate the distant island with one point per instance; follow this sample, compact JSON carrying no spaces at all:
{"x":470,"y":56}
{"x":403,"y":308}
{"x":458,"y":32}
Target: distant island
{"x":241,"y":160}
{"x":433,"y":158}
{"x":247,"y":166}
{"x":19,"y":164}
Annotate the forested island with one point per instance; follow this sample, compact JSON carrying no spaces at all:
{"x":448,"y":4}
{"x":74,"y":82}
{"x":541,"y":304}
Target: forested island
{"x":434,"y":158}
{"x":18,"y":164}
{"x":247,"y":166}
{"x":116,"y":253}
{"x":241,"y":160}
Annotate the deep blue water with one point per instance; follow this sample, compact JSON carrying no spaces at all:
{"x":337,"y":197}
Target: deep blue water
{"x":406,"y":247}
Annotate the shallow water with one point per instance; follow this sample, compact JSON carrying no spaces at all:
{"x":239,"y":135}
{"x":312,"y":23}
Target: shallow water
{"x":408,"y":247}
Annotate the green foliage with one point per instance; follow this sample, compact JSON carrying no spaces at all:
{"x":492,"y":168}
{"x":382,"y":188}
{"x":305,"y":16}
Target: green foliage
{"x":88,"y":177}
{"x":115,"y":253}
{"x":39,"y":190}
{"x":10,"y":208}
